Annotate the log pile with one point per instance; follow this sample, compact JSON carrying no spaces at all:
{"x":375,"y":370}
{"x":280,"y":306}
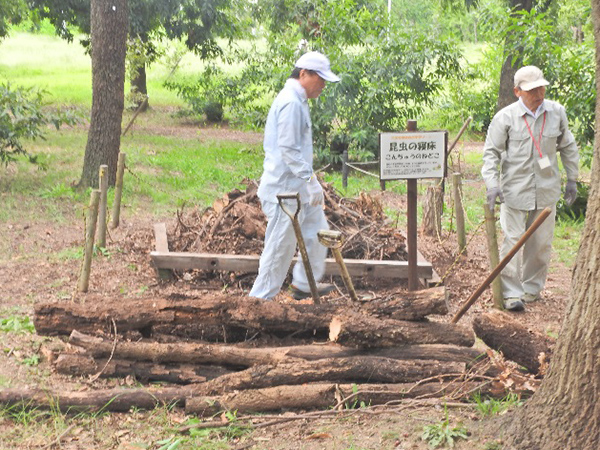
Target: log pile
{"x":235,"y":225}
{"x":228,"y":352}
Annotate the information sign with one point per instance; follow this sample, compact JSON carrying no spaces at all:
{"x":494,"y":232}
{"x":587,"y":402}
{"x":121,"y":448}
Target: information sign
{"x":411,"y":155}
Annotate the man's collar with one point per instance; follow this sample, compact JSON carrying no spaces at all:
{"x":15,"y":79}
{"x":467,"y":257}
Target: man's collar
{"x":294,"y":84}
{"x":526,"y":110}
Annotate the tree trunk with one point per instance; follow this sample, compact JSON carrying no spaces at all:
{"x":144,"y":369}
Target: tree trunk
{"x":90,"y":401}
{"x":505,"y":334}
{"x":327,"y":395}
{"x":368,"y":332}
{"x":139,"y":88}
{"x":109,"y":24}
{"x":432,"y":211}
{"x":565,"y":412}
{"x":217,"y":318}
{"x":506,"y":95}
{"x":231,"y":356}
{"x":84,"y":365}
{"x":354,"y":369}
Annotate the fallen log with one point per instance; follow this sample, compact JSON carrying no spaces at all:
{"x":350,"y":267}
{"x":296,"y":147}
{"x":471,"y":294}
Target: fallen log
{"x":118,"y":400}
{"x":222,"y":318}
{"x":85,"y":365}
{"x":237,"y":356}
{"x":412,"y":305}
{"x":354,"y":369}
{"x":328,"y":395}
{"x":364,"y":331}
{"x":524,"y":346}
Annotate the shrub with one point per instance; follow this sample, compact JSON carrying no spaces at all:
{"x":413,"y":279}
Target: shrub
{"x":22,"y":117}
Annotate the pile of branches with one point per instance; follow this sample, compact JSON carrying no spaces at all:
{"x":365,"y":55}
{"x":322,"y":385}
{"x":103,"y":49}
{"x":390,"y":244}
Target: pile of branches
{"x":236,"y":225}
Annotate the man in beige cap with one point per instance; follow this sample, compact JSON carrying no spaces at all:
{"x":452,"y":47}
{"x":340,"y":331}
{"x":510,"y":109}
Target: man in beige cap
{"x":520,"y":170}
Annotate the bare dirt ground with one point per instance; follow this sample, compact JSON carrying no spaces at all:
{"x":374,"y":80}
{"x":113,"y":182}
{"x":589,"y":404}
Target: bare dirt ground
{"x":39,"y":263}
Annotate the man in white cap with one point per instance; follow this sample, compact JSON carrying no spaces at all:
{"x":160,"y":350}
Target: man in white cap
{"x":288,"y":168}
{"x":520,"y":170}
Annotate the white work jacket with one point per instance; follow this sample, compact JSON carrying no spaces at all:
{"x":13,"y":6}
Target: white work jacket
{"x":288,"y":145}
{"x":511,"y":157}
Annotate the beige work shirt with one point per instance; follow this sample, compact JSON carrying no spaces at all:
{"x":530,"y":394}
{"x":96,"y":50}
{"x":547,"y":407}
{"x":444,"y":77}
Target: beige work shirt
{"x":511,"y":159}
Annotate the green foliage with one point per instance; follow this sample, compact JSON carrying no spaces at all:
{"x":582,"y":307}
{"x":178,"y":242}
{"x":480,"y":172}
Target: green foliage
{"x":389,"y":73}
{"x":491,"y":407}
{"x":22,"y":117}
{"x":443,"y":434}
{"x":11,"y":12}
{"x":17,"y":325}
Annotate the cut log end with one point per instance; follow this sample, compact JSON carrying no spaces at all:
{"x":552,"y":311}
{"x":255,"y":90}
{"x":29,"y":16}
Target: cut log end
{"x":335,"y":327}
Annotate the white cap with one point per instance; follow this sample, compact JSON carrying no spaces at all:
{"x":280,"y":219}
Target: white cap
{"x":529,"y":77}
{"x":318,"y":63}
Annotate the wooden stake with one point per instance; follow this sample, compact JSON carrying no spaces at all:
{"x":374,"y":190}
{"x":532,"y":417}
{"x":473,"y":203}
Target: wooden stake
{"x":460,"y":214}
{"x":116,"y":210}
{"x":490,"y":228}
{"x":411,"y":223}
{"x":103,"y":184}
{"x":92,"y":218}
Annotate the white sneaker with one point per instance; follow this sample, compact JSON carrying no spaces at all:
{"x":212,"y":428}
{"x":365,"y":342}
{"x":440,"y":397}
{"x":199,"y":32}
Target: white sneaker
{"x":513,"y":304}
{"x":530,"y":298}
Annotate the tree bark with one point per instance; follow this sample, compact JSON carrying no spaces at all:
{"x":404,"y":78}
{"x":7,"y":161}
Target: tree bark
{"x":565,"y":411}
{"x":368,"y":332}
{"x":221,"y":319}
{"x":118,"y":400}
{"x":354,"y":369}
{"x":231,"y":356}
{"x":109,"y":25}
{"x":83,"y":365}
{"x":327,"y":395}
{"x":432,"y":211}
{"x":506,"y":95}
{"x":139,"y":88}
{"x":503,"y":333}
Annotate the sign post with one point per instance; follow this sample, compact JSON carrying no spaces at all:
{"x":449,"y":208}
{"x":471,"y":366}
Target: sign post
{"x":409,"y":156}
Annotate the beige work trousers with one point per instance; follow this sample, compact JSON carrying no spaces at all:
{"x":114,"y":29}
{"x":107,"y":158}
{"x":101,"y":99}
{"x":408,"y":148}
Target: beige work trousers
{"x":527,"y":271}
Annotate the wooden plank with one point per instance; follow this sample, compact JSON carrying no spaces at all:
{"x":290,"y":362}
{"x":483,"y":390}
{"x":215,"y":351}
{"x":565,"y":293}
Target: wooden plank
{"x":162,"y":245}
{"x":160,"y":236}
{"x":249,"y":263}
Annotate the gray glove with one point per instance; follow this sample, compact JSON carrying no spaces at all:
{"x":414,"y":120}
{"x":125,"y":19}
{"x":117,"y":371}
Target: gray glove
{"x":493,"y":194}
{"x":570,"y":192}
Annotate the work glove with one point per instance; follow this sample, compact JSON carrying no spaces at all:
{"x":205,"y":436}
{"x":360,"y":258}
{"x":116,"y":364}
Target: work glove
{"x":493,"y":194}
{"x":315,"y":192}
{"x":570,"y":192}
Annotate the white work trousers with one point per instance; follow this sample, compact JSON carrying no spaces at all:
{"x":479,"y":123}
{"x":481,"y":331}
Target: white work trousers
{"x":527,"y":271}
{"x":280,"y":247}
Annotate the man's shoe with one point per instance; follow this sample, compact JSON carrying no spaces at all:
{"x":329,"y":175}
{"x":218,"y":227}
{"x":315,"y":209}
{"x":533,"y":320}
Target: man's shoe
{"x":322,"y":289}
{"x":530,"y":298}
{"x":513,"y":304}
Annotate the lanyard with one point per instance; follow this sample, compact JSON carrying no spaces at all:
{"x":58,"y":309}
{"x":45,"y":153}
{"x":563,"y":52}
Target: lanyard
{"x":536,"y":143}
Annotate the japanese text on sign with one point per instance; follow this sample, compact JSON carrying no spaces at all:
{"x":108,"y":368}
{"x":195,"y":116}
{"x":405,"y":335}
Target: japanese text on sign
{"x":412,"y":155}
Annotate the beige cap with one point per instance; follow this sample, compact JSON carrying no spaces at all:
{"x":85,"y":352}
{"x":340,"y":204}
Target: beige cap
{"x":529,"y":77}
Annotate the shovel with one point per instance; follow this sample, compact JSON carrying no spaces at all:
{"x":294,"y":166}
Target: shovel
{"x":333,"y":240}
{"x":301,"y":246}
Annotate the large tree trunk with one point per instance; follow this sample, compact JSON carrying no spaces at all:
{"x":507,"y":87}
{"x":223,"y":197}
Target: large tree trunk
{"x":109,"y":23}
{"x":506,"y":95}
{"x":565,"y":412}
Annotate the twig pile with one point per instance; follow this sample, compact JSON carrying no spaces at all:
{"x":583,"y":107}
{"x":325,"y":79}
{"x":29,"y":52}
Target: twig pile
{"x":235,"y":224}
